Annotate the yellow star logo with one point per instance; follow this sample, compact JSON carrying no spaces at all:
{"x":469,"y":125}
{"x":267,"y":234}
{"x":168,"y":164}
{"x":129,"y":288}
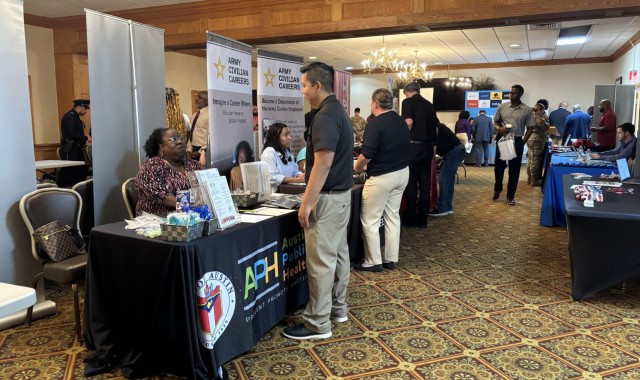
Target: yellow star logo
{"x":220,"y":69}
{"x":269,"y":77}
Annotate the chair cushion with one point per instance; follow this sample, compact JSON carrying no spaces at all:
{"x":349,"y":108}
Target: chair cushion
{"x":66,"y":271}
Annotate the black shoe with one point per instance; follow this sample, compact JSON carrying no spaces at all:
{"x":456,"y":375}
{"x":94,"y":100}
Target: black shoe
{"x":496,"y":195}
{"x":511,"y":202}
{"x":373,"y":268}
{"x":408,"y":225}
{"x":421,"y":225}
{"x":301,"y":332}
{"x":390,"y":265}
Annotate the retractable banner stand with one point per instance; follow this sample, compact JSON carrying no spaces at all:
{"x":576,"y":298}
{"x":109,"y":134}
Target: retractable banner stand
{"x":17,"y":266}
{"x":230,"y":109}
{"x":126,"y":79}
{"x":280,"y":97}
{"x":342,"y":88}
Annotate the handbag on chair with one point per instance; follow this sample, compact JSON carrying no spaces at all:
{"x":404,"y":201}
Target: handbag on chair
{"x":59,"y":242}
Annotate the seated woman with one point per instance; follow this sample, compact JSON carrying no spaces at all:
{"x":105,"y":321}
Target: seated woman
{"x":242,"y":154}
{"x":276,"y":154}
{"x":164,"y":173}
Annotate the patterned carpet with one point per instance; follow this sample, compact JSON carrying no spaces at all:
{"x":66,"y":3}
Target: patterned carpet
{"x":480,"y":294}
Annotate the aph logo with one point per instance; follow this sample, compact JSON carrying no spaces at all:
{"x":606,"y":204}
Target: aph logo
{"x":216,"y":299}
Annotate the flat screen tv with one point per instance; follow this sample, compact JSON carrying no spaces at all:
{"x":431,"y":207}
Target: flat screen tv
{"x":448,"y":95}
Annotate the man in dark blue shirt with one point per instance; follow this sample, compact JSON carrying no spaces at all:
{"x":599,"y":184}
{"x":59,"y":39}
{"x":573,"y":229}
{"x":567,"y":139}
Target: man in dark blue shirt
{"x":558,"y":117}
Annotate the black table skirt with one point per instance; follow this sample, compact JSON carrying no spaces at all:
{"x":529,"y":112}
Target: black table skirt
{"x":149,"y":302}
{"x":603,"y":245}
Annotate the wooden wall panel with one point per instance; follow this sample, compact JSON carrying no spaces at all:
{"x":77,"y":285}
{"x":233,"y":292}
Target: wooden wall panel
{"x":65,"y":83}
{"x":45,"y":151}
{"x":366,"y":9}
{"x":196,"y":26}
{"x":302,"y":16}
{"x":236,"y":22}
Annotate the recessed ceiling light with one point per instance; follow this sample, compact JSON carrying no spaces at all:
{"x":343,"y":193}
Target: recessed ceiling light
{"x":437,"y":63}
{"x":349,"y":68}
{"x":514,"y":45}
{"x":518,"y":59}
{"x":313,"y":57}
{"x":571,"y":41}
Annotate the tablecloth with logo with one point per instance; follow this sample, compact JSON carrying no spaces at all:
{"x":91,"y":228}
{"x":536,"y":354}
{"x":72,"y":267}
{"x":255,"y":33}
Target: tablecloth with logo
{"x":154,"y":307}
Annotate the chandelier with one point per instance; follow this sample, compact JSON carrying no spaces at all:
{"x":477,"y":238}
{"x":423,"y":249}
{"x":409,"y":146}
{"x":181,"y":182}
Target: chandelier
{"x":381,"y":59}
{"x":415,"y":71}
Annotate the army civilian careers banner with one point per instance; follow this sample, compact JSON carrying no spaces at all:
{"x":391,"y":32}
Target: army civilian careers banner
{"x":230,"y":109}
{"x":280,"y":98}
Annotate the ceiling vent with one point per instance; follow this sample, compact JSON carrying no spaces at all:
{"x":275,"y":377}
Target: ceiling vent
{"x":576,"y":31}
{"x":545,"y":26}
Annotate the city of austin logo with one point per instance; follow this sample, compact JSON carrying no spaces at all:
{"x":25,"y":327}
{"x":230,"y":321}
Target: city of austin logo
{"x":216,"y":302}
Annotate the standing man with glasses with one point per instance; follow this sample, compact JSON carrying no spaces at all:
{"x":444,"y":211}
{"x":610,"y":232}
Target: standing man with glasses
{"x":513,"y":117}
{"x":422,"y":121}
{"x":199,"y":133}
{"x":326,"y":205}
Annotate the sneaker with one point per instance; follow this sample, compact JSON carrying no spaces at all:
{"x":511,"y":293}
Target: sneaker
{"x":449,"y":212}
{"x":301,"y":332}
{"x":390,"y":265}
{"x":339,"y":319}
{"x":436,"y":212}
{"x":373,"y":268}
{"x":511,"y":202}
{"x":536,"y":183}
{"x":496,"y":195}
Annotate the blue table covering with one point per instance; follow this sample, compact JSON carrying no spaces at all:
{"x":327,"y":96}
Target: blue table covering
{"x":552,"y":210}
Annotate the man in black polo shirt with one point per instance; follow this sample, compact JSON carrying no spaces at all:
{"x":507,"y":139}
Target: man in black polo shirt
{"x":326,"y":205}
{"x":421,"y":119}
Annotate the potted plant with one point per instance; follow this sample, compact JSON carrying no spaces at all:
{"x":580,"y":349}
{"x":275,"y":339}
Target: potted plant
{"x":484,"y":82}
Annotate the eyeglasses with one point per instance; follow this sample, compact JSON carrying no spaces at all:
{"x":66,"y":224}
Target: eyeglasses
{"x":175,"y":139}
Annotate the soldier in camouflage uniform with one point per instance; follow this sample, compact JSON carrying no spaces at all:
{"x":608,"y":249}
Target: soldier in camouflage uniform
{"x":536,"y":137}
{"x":357,"y":122}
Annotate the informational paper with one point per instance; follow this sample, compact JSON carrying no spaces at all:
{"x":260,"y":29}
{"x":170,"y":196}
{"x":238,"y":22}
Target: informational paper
{"x":602,"y":183}
{"x":202,"y":176}
{"x":218,"y":198}
{"x":253,"y":218}
{"x":256,"y":178}
{"x":273,"y":211}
